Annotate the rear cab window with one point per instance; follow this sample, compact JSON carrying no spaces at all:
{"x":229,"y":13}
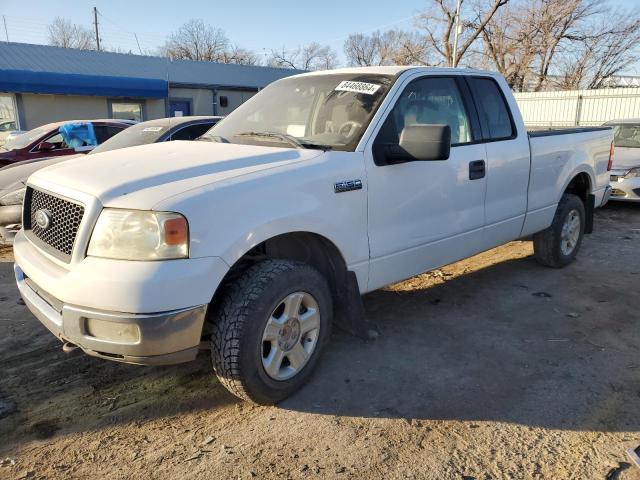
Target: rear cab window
{"x":494,"y":113}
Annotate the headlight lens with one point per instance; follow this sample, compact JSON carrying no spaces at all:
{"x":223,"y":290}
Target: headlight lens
{"x":139,"y":235}
{"x":633,"y":173}
{"x":13,"y":198}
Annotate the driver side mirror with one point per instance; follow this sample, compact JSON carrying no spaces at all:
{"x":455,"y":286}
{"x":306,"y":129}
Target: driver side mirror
{"x":46,"y":146}
{"x":419,"y":143}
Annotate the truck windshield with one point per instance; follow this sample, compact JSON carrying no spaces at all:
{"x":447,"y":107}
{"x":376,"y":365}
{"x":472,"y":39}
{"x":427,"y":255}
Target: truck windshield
{"x":626,"y":136}
{"x":328,"y":111}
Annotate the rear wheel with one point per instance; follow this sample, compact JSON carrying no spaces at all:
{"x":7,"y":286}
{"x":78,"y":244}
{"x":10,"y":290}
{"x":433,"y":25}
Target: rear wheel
{"x":558,"y":245}
{"x":269,"y":330}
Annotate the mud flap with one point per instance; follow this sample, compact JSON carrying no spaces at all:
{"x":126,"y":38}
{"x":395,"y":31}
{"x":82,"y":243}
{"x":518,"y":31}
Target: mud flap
{"x":350,"y":314}
{"x":589,"y":208}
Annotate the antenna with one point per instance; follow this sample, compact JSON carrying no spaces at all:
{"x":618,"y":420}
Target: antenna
{"x":95,"y":23}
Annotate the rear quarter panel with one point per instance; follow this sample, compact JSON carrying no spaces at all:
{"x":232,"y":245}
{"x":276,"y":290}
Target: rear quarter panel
{"x":555,"y":161}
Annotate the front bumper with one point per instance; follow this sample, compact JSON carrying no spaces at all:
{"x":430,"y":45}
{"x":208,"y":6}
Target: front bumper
{"x":625,"y":189}
{"x":145,"y":339}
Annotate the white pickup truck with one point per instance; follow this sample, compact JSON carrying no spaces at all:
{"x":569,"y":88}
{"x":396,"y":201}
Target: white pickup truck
{"x":322,"y":187}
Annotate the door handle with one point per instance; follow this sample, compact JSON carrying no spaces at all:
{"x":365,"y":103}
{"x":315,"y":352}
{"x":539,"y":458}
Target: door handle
{"x":477,"y":169}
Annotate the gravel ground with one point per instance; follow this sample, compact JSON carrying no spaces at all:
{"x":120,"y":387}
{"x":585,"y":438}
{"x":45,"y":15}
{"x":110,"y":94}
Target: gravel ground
{"x":493,"y":367}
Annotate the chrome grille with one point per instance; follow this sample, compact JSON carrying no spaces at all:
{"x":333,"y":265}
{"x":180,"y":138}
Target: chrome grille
{"x":65,"y":216}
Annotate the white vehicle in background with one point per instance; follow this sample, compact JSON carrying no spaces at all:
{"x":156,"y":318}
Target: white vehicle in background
{"x":625,"y":172}
{"x":8,"y":130}
{"x":320,"y":188}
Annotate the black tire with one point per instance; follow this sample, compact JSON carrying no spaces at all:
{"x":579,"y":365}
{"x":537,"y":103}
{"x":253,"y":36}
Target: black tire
{"x":547,"y":245}
{"x":240,"y":316}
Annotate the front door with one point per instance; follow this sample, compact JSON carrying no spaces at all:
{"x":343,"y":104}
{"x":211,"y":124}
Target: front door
{"x":424,"y":214}
{"x":179,"y":108}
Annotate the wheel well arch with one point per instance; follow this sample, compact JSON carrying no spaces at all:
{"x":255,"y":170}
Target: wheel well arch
{"x":310,"y":248}
{"x":580,"y":185}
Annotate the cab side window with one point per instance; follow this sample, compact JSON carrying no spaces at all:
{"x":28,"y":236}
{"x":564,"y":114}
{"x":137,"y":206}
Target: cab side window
{"x":429,"y":101}
{"x":492,"y":109}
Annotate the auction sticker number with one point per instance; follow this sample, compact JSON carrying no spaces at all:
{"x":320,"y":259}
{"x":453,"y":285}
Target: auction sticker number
{"x":357,"y":87}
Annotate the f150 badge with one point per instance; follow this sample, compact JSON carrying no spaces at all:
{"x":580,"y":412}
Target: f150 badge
{"x":347,"y":186}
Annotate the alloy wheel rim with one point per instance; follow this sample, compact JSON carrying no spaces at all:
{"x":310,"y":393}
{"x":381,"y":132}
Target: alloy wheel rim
{"x":290,"y":336}
{"x":570,"y":233}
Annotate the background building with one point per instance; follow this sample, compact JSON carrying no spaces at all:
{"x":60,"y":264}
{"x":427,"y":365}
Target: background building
{"x":41,"y":84}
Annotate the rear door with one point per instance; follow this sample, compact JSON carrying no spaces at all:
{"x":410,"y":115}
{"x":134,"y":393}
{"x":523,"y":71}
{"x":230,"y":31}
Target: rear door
{"x":508,"y":161}
{"x":424,"y":214}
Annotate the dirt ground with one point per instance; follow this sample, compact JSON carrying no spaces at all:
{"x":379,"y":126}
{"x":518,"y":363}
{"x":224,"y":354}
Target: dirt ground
{"x":490,"y":368}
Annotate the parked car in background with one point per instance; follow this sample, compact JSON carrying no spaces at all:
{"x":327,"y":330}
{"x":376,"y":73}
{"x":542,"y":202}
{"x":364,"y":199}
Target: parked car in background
{"x":321,"y":187}
{"x":13,"y":178}
{"x":48,"y":141}
{"x":625,"y":172}
{"x":6,"y":126}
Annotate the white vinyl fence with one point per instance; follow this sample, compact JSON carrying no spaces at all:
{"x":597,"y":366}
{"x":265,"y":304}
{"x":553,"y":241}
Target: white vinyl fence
{"x":578,"y":107}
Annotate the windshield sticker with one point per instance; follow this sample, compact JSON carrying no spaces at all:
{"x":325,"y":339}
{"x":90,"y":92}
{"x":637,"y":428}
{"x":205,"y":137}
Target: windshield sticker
{"x":357,"y":87}
{"x":152,"y":129}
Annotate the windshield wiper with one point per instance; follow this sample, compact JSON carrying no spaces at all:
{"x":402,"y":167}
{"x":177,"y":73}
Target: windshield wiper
{"x":286,"y":138}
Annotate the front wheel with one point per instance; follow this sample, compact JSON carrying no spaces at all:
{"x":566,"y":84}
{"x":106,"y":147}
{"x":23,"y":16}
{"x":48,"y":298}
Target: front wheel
{"x":269,"y":329}
{"x":558,"y":245}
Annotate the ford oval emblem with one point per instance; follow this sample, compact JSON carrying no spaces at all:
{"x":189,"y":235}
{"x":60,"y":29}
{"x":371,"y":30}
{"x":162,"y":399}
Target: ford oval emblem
{"x":43,"y":219}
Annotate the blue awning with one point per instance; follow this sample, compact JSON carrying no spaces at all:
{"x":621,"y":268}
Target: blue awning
{"x":25,"y":81}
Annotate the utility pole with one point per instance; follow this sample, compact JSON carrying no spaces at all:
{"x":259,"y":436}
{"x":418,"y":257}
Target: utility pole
{"x":95,"y":22}
{"x":6,"y":32}
{"x":136,"y":36}
{"x":454,"y":60}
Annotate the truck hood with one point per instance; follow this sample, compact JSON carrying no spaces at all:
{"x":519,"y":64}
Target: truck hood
{"x":626,"y":158}
{"x":140,"y":177}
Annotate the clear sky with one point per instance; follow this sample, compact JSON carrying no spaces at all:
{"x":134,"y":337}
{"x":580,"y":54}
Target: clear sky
{"x":254,"y":24}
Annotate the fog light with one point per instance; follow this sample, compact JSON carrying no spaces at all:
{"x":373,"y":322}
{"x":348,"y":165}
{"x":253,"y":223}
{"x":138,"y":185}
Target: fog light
{"x":112,"y":331}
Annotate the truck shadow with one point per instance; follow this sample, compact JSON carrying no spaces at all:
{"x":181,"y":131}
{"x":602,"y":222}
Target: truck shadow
{"x":513,"y":342}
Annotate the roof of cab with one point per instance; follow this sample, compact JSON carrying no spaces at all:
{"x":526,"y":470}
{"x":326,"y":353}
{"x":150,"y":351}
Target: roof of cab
{"x":395,"y":70}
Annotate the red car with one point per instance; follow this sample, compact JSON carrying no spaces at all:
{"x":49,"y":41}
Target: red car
{"x":47,"y":141}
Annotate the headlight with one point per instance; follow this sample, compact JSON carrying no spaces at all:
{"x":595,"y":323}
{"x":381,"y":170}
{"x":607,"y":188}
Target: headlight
{"x":139,"y":235}
{"x":13,"y":198}
{"x":633,"y":173}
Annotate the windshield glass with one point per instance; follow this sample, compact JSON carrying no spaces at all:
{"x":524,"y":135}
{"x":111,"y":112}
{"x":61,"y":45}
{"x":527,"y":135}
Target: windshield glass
{"x":626,"y":136}
{"x":317,"y":111}
{"x":139,"y":134}
{"x":25,"y":139}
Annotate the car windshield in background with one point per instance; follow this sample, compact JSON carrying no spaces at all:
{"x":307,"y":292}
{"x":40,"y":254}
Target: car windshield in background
{"x":329,"y":111}
{"x":25,"y":139}
{"x":626,"y":136}
{"x":140,"y":134}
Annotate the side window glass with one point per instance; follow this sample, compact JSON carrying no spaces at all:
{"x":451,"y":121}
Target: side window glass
{"x":429,"y":101}
{"x":492,"y":108}
{"x":190,"y":133}
{"x":57,"y":141}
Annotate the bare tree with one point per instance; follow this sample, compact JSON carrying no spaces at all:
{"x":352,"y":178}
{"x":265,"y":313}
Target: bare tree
{"x":309,"y":57}
{"x":65,"y":34}
{"x":196,"y":40}
{"x":609,"y":48}
{"x":438,"y":24}
{"x":393,"y":47}
{"x":240,"y":56}
{"x":540,"y":44}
